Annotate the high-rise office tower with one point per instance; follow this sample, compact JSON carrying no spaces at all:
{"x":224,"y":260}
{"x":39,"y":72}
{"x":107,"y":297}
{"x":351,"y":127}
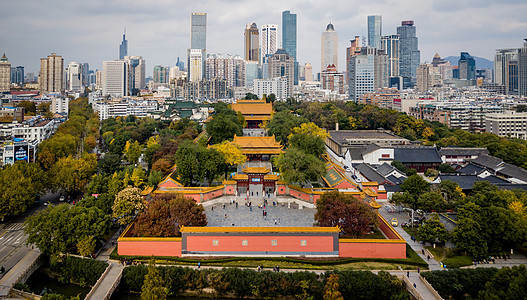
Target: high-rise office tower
{"x":75,"y":76}
{"x":409,"y":54}
{"x":5,"y":74}
{"x":252,"y":41}
{"x":123,"y":48}
{"x":522,"y":70}
{"x":251,"y":73}
{"x":160,"y":74}
{"x":17,"y":75}
{"x":198,"y":41}
{"x":51,"y":77}
{"x":198,"y":31}
{"x":308,"y":72}
{"x":115,"y":78}
{"x":195,"y":65}
{"x":374,"y":31}
{"x":329,"y":48}
{"x":466,"y":66}
{"x":390,"y":46}
{"x":506,"y":69}
{"x":281,"y":64}
{"x":137,"y":73}
{"x":180,"y":64}
{"x":268,"y":44}
{"x":289,"y":39}
{"x":85,"y":74}
{"x":367,"y":71}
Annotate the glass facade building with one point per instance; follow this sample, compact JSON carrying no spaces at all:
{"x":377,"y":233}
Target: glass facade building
{"x":374,"y":31}
{"x":409,"y":54}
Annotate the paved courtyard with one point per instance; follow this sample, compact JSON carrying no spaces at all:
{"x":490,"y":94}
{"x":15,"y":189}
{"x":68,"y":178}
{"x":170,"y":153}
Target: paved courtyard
{"x":285,"y":214}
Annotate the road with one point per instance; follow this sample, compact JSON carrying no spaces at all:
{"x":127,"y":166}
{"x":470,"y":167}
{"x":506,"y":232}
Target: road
{"x":12,"y":238}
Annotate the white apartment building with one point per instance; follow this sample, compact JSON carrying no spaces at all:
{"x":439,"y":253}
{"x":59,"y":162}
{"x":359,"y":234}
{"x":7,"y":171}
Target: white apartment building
{"x":74,"y":76}
{"x":508,"y":124}
{"x":60,"y":105}
{"x":115,"y":78}
{"x":276,"y":86}
{"x":195,"y":65}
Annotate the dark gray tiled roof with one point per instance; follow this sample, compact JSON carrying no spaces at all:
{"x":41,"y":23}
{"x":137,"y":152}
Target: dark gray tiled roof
{"x":512,"y":186}
{"x":488,"y":161}
{"x":471,"y":169}
{"x":385,"y":169}
{"x":417,"y":155}
{"x":370,"y":173}
{"x":392,"y":188}
{"x":395,"y":180}
{"x":466,"y":181}
{"x":342,"y":135}
{"x":513,"y":171}
{"x":462,"y":151}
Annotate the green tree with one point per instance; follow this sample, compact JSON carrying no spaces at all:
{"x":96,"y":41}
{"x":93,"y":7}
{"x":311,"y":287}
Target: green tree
{"x":58,"y":229}
{"x":507,"y":283}
{"x":223,"y":126}
{"x":431,"y":201}
{"x":54,"y":148}
{"x":310,"y":144}
{"x":153,"y":285}
{"x":282,"y":124}
{"x":72,"y":174}
{"x":331,"y":290}
{"x":415,"y":185}
{"x":29,"y":107}
{"x":352,"y":215}
{"x":86,"y":245}
{"x":446,"y":168}
{"x":132,"y":151}
{"x":109,"y":163}
{"x":298,"y":167}
{"x":17,"y":192}
{"x":127,"y":204}
{"x":431,"y":230}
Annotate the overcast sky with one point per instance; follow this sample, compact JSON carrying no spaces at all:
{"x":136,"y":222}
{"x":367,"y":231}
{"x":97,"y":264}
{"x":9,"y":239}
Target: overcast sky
{"x":91,"y":30}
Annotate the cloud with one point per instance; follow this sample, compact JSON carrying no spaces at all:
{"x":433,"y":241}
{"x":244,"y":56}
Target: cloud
{"x":91,"y":31}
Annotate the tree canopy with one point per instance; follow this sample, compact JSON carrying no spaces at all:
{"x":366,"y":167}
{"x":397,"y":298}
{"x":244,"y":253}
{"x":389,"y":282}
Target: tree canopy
{"x":353,"y":216}
{"x":127,"y":204}
{"x":297,"y":166}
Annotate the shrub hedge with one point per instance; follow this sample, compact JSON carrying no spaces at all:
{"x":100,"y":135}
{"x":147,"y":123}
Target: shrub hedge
{"x":269,"y":285}
{"x":83,"y":272}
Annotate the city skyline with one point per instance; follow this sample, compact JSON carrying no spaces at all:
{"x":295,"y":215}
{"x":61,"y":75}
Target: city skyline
{"x":90,"y":32}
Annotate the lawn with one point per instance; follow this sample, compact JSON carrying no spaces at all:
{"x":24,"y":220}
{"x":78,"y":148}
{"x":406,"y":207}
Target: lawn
{"x":449,"y":257}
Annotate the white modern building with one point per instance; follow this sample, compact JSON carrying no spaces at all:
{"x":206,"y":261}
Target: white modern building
{"x":277,"y":86}
{"x":195,"y":66}
{"x":115,"y":78}
{"x":329,"y":48}
{"x":60,"y":105}
{"x":508,"y":124}
{"x":75,"y":76}
{"x":268,"y":43}
{"x":137,"y":68}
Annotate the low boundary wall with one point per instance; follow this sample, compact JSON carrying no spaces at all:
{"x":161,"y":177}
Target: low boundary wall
{"x":265,"y":241}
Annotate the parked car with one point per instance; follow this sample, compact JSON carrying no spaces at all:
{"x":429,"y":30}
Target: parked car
{"x":62,"y":198}
{"x":394,"y":222}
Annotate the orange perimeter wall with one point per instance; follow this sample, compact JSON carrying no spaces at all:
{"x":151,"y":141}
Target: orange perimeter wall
{"x":372,"y":249}
{"x":148,"y":248}
{"x":257,"y":243}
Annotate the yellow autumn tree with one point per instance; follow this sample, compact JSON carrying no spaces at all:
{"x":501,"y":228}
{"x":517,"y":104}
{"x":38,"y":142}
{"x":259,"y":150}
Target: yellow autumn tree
{"x":231,"y":153}
{"x":310,"y":129}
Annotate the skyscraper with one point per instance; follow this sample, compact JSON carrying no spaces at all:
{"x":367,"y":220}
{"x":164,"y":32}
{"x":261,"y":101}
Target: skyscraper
{"x":123,"y":48}
{"x":329,"y":48}
{"x":268,"y":45}
{"x":252,"y":41}
{"x":289,"y":39}
{"x":374,"y":31}
{"x":522,"y":70}
{"x":367,"y":71}
{"x":85,"y":74}
{"x":390,"y":46}
{"x":5,"y":74}
{"x":160,"y":74}
{"x":115,"y":78}
{"x":198,"y":43}
{"x":198,"y":31}
{"x":281,"y":64}
{"x":136,"y":71}
{"x":180,"y":64}
{"x":466,"y":66}
{"x":506,"y":69}
{"x":51,"y":77}
{"x":195,"y":65}
{"x":308,"y":72}
{"x":75,"y":76}
{"x":409,"y":54}
{"x":17,"y":75}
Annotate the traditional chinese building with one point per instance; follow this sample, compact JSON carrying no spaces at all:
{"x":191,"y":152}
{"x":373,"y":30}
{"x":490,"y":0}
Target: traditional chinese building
{"x":256,"y":112}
